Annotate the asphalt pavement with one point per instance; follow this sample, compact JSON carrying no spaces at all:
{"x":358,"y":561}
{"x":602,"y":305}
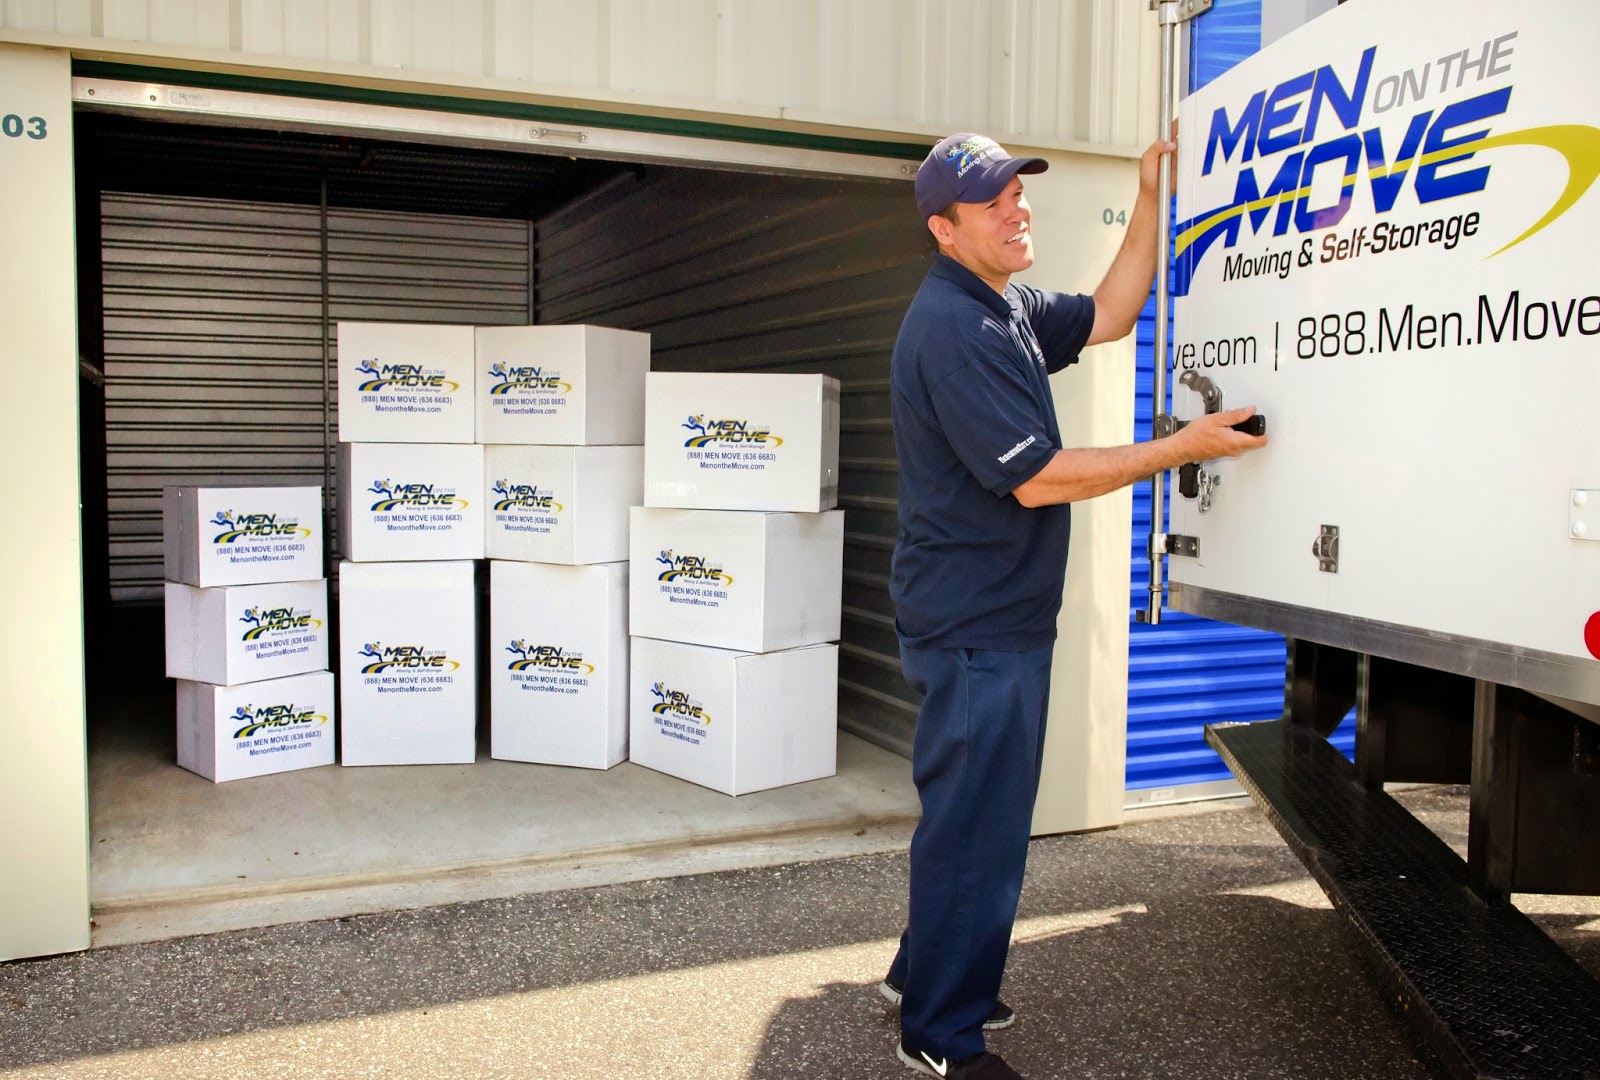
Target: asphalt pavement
{"x":1187,"y":946}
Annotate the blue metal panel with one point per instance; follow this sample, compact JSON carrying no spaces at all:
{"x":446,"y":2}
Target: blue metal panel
{"x":1189,"y":672}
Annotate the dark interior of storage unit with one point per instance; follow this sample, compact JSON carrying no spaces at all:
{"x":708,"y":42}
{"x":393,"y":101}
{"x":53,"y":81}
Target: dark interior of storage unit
{"x":215,"y":263}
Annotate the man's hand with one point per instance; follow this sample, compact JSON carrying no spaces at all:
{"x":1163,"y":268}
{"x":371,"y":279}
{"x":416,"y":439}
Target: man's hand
{"x":1126,"y":286}
{"x":1212,"y":436}
{"x":1150,"y":163}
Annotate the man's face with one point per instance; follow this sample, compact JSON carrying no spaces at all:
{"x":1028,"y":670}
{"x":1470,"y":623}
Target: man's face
{"x":994,"y":239}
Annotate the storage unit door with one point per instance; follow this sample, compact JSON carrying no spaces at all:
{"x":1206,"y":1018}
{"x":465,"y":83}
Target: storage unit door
{"x":219,"y":331}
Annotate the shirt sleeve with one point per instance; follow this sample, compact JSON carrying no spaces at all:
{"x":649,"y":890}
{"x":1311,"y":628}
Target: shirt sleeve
{"x":1061,"y":321}
{"x":991,"y":419}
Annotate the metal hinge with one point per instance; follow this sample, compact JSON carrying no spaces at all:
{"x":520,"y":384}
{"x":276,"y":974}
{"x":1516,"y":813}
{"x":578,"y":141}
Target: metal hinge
{"x":1583,"y":522}
{"x":1326,"y":549}
{"x":1177,"y":544}
{"x":1182,"y":10}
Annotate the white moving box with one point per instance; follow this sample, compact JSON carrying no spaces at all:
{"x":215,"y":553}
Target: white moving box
{"x":230,"y":732}
{"x":735,"y":722}
{"x":408,"y":663}
{"x":404,"y":501}
{"x":558,"y":663}
{"x":241,"y":535}
{"x":725,"y":441}
{"x":406,"y":382}
{"x":560,"y":504}
{"x":561,"y":385}
{"x":733,"y":579}
{"x":245,"y":633}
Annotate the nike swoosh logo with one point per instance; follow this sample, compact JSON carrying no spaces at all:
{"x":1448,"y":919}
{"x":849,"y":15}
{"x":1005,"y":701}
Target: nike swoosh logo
{"x":941,"y":1066}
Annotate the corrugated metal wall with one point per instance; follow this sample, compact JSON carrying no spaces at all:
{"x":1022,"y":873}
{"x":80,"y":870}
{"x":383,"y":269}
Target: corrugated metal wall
{"x":1043,"y":72}
{"x":730,"y":272}
{"x":215,"y":323}
{"x":1189,"y":672}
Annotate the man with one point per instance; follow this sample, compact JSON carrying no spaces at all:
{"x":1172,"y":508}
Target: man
{"x":981,"y":558}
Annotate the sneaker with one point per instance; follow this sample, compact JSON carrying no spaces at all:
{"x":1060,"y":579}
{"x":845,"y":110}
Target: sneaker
{"x":1002,"y":1017}
{"x":985,"y":1066}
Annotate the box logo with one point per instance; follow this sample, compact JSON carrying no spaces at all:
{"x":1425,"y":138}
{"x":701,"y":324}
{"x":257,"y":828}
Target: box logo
{"x":236,"y":527}
{"x":380,"y":378}
{"x":676,"y":703}
{"x":524,"y":497}
{"x":384,"y":657}
{"x":546,"y":656}
{"x":276,"y":620}
{"x":509,"y":379}
{"x":690,"y":568}
{"x":253,"y":720}
{"x":714,"y":432}
{"x":394,"y":496}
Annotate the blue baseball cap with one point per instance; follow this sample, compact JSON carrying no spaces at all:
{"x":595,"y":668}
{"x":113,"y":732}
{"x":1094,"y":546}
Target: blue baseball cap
{"x":967,"y":168}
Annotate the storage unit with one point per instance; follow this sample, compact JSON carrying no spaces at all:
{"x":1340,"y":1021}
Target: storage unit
{"x":227,"y":228}
{"x":736,"y":579}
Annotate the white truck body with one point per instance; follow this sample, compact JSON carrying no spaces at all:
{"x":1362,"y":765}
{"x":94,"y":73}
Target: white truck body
{"x":1385,"y":241}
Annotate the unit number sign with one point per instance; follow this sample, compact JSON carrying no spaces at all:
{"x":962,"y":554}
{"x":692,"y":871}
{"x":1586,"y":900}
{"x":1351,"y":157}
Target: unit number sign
{"x":16,"y":126}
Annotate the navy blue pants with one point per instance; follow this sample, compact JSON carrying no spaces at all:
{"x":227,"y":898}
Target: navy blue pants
{"x":976,"y":760}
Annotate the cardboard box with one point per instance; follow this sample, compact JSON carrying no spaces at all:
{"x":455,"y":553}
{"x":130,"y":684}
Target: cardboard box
{"x":723,"y":441}
{"x":561,"y":385}
{"x":246,"y":633}
{"x":731,"y":721}
{"x":733,"y":579}
{"x":405,"y":501}
{"x":241,"y":535}
{"x":406,"y":382}
{"x":230,"y":732}
{"x":560,"y":504}
{"x":407,"y":663}
{"x":558,"y":663}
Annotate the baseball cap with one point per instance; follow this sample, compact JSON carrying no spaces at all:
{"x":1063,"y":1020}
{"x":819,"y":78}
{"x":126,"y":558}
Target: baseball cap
{"x":967,"y":168}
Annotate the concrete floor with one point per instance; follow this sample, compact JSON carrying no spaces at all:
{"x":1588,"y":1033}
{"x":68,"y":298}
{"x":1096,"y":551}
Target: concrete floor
{"x":1191,"y":945}
{"x":174,"y":854}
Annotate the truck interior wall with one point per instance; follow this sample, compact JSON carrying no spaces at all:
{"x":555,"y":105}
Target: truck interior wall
{"x":739,"y":271}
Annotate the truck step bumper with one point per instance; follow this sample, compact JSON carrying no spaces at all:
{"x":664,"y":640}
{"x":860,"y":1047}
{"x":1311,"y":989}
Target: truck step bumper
{"x":1489,"y":994}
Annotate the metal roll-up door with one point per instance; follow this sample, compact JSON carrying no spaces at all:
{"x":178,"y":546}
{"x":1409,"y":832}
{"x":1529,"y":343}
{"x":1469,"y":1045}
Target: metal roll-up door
{"x":743,"y":272}
{"x":1189,"y":672}
{"x":219,"y":337}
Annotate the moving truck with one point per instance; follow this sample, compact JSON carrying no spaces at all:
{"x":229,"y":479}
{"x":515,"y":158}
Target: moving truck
{"x":1384,"y":240}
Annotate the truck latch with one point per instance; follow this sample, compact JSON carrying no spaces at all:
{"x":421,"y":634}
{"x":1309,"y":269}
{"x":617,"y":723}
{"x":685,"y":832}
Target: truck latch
{"x":1195,"y":481}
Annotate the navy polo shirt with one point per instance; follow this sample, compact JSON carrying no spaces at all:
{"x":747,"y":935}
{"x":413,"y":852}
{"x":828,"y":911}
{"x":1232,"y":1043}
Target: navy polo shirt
{"x":973,"y":420}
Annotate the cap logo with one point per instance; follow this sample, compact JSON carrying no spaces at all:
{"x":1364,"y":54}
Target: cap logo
{"x":971,"y":152}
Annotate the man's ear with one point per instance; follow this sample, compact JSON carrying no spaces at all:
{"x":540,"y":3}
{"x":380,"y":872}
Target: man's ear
{"x":940,"y":227}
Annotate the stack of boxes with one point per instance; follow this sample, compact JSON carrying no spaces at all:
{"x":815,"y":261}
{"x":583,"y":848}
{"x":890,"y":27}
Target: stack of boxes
{"x":737,"y":561}
{"x":247,"y":629}
{"x":561,"y":409}
{"x":411,"y":528}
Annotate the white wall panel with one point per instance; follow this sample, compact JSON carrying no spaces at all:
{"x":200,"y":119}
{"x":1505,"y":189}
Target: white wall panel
{"x":57,"y":16}
{"x":664,"y":47}
{"x":1045,"y":72}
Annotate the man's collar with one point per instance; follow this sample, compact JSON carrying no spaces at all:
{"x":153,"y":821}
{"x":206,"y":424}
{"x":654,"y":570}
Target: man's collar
{"x":954,"y":272}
